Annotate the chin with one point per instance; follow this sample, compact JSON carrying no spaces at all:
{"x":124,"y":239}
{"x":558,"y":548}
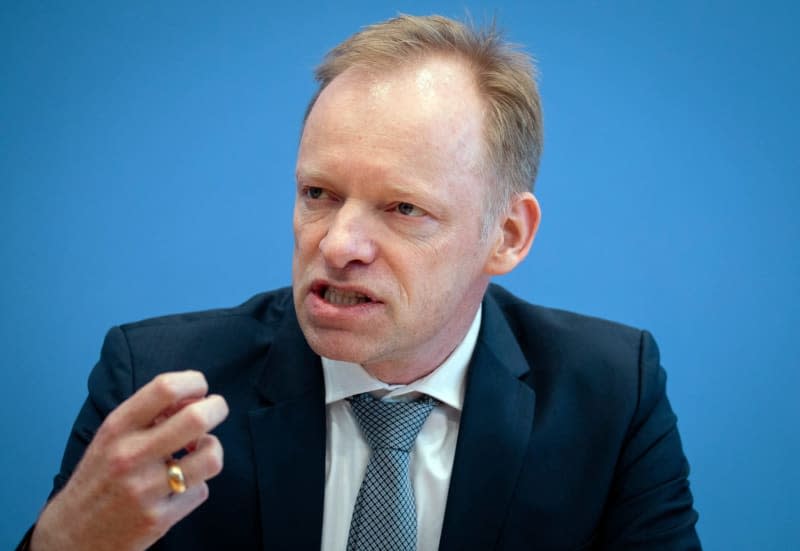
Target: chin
{"x":347,"y":348}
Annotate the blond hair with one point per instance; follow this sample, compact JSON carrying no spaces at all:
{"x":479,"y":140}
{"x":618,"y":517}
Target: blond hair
{"x":504,"y":77}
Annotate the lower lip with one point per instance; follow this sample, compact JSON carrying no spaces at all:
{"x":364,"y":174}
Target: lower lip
{"x":321,"y":309}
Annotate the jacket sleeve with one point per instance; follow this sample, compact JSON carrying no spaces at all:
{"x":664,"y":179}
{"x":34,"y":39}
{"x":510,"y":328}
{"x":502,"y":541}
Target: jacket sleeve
{"x":650,"y":505}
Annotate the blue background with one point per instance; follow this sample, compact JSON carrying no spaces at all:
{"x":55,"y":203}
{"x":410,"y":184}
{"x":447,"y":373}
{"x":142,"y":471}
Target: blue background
{"x":146,"y":167}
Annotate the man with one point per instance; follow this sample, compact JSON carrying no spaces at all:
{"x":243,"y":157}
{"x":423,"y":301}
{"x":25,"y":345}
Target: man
{"x":532,"y":428}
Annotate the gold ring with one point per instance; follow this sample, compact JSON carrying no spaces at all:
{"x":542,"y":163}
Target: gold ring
{"x":175,"y":478}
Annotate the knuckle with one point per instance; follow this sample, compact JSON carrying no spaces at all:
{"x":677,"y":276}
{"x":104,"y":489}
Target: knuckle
{"x":114,"y":425}
{"x":110,"y":428}
{"x":165,"y":388}
{"x":121,"y":460}
{"x":150,"y":520}
{"x":214,"y":443}
{"x":196,"y":418}
{"x":132,"y":490}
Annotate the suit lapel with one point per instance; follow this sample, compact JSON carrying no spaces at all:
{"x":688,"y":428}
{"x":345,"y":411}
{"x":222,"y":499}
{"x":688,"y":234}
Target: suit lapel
{"x":495,"y":428}
{"x":288,"y":434}
{"x":289,"y":443}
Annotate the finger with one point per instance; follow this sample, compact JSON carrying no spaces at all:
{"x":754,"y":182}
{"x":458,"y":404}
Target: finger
{"x":173,"y":409}
{"x":164,"y":391}
{"x":186,"y":426}
{"x":204,"y":463}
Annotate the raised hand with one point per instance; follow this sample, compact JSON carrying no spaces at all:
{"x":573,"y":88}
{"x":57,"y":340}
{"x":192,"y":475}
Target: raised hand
{"x":119,"y":496}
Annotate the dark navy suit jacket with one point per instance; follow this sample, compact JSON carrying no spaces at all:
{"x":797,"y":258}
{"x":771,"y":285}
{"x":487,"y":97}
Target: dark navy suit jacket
{"x":567,"y":440}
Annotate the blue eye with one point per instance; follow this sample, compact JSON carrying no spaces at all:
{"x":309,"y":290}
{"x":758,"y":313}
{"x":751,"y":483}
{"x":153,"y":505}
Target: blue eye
{"x":407,"y":209}
{"x":314,"y":192}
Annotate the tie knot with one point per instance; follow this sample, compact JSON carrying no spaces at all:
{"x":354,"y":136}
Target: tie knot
{"x":392,"y":425}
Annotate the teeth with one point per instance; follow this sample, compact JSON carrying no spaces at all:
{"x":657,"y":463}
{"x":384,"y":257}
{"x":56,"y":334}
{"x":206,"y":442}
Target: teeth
{"x":344,"y":298}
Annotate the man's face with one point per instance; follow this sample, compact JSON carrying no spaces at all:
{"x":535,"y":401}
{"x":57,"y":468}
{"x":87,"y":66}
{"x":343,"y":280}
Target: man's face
{"x":389,"y":262}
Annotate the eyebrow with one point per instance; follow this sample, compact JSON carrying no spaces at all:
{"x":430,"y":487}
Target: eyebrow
{"x":309,"y":174}
{"x":395,"y":185}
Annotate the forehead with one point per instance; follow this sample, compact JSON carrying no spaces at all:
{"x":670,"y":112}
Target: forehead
{"x":429,"y":107}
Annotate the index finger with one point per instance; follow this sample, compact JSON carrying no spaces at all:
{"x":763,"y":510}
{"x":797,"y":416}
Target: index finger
{"x":164,"y":391}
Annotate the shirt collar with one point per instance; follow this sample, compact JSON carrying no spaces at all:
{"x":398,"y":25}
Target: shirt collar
{"x":446,"y":383}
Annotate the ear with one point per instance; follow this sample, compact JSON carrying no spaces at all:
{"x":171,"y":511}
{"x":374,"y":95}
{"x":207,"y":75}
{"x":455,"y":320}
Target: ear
{"x":516,"y":231}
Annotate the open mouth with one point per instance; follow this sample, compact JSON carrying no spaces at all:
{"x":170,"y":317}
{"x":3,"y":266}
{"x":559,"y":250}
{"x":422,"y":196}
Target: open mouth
{"x":341,"y":297}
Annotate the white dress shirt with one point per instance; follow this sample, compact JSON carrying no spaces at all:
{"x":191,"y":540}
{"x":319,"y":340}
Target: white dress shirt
{"x":431,"y":459}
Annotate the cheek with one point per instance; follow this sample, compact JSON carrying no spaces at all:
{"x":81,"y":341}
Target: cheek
{"x":424,"y":272}
{"x":303,"y":250}
{"x":453,"y":267}
{"x":307,"y":234}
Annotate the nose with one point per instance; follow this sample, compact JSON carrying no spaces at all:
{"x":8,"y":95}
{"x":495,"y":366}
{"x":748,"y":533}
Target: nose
{"x":348,"y":238}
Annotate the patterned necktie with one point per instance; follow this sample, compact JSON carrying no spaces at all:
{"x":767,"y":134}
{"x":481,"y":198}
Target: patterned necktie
{"x":385,"y":514}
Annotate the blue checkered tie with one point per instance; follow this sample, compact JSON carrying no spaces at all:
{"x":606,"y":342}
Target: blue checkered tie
{"x":385,"y":515}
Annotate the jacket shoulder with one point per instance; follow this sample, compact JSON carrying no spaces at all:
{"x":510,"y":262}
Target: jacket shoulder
{"x":217,"y":342}
{"x":577,"y":355}
{"x":264,"y":308}
{"x":544,"y":326}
